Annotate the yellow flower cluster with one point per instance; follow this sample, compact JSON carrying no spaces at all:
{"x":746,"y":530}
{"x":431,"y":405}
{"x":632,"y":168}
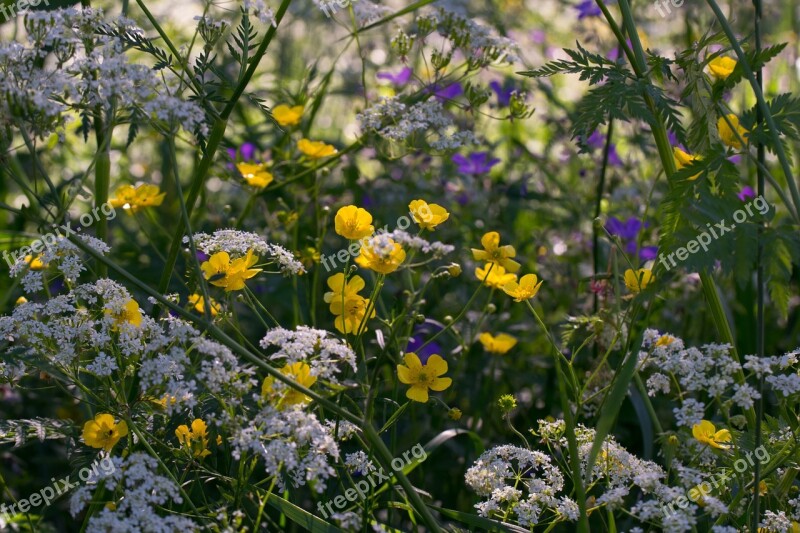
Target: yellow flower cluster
{"x":194,"y":440}
{"x":349,"y":308}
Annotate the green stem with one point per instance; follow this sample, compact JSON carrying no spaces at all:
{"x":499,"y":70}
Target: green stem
{"x":761,"y":102}
{"x":214,"y":141}
{"x":569,"y":420}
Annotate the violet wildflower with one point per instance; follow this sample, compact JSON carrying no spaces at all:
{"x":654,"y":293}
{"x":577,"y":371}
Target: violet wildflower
{"x":503,"y":93}
{"x":746,"y":192}
{"x":588,"y":8}
{"x":447,"y":93}
{"x":475,"y":163}
{"x":399,"y":79}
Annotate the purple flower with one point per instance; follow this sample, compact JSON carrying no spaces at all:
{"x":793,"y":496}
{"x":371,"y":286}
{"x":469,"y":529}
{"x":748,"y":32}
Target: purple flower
{"x":448,"y":93}
{"x":421,"y":334}
{"x":596,"y":140}
{"x":538,"y":36}
{"x":399,"y":79}
{"x":648,"y":253}
{"x":588,"y":8}
{"x":735,"y":159}
{"x":202,"y":256}
{"x":673,"y":139}
{"x":503,"y":93}
{"x":476,"y":163}
{"x":627,"y":230}
{"x":247,"y":151}
{"x":613,"y":157}
{"x":746,"y":192}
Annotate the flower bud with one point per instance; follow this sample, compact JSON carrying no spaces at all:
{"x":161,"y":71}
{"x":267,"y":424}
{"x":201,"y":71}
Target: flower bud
{"x":454,"y":413}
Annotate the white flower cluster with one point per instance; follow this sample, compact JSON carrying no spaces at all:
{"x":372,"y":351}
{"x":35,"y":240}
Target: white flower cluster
{"x":501,"y":472}
{"x":315,"y":347}
{"x":476,"y":42}
{"x":89,"y":67}
{"x":436,"y":249}
{"x":395,"y":121}
{"x":291,"y":441}
{"x":238,"y":243}
{"x":141,"y":492}
{"x":260,"y":9}
{"x":63,"y":255}
{"x":711,"y":370}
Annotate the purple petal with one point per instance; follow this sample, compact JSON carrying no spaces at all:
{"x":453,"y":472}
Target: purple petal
{"x":399,"y":79}
{"x":248,"y":151}
{"x":648,"y":253}
{"x":503,"y":94}
{"x":613,"y":157}
{"x":588,"y":8}
{"x":746,"y":192}
{"x":449,"y":92}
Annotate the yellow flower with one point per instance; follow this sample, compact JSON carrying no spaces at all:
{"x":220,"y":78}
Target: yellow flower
{"x":428,"y":216}
{"x":706,"y":433}
{"x":340,"y":289}
{"x":287,"y":116}
{"x":494,"y":253}
{"x":353,"y":222}
{"x":722,"y":67}
{"x":315,"y":149}
{"x":21,"y":300}
{"x":102,"y":432}
{"x":639,"y":280}
{"x":698,"y":492}
{"x":299,"y":372}
{"x":382,"y":255}
{"x":526,"y":289}
{"x":350,"y":314}
{"x":683,"y":159}
{"x":665,"y":340}
{"x":198,"y":301}
{"x":454,"y":413}
{"x":726,"y":133}
{"x":255,"y":175}
{"x":35,"y":263}
{"x":163,"y":401}
{"x":130,"y":314}
{"x":498,"y":277}
{"x":195,"y":439}
{"x":220,"y":271}
{"x":345,"y":303}
{"x":423,"y":377}
{"x":132,"y":199}
{"x":499,"y":345}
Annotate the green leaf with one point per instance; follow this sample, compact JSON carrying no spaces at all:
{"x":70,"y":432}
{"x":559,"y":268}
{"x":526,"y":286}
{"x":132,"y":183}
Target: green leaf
{"x":302,"y":518}
{"x":478,"y":521}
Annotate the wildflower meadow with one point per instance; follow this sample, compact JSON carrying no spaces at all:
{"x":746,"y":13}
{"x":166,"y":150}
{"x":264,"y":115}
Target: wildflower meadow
{"x":383,"y":266}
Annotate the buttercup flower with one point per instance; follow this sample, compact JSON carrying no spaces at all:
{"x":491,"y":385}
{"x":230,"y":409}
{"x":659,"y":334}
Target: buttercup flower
{"x":132,"y":199}
{"x":346,"y":304}
{"x":301,"y":373}
{"x":494,"y":253}
{"x":353,"y":222}
{"x":341,"y":290}
{"x":315,"y":149}
{"x":428,"y":216}
{"x":526,"y":289}
{"x":722,"y":67}
{"x":665,"y":340}
{"x":198,"y":301}
{"x":381,"y":254}
{"x":499,"y":345}
{"x":102,"y":432}
{"x":130,"y":314}
{"x":639,"y":280}
{"x":220,"y":271}
{"x":195,"y":439}
{"x":498,"y":277}
{"x":423,"y":377}
{"x":35,"y":263}
{"x":287,"y":116}
{"x":255,"y":175}
{"x":683,"y":159}
{"x":726,"y":133}
{"x":706,"y":433}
